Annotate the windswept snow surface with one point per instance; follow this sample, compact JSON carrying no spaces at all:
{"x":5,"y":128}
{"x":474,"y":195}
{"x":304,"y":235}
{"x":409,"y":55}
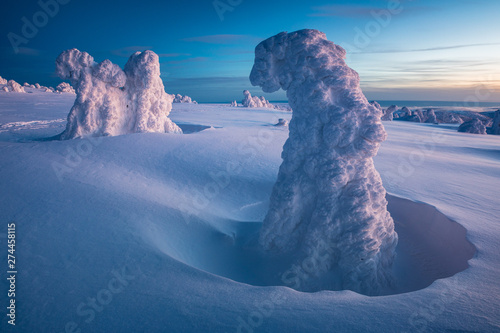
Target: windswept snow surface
{"x":151,"y":228}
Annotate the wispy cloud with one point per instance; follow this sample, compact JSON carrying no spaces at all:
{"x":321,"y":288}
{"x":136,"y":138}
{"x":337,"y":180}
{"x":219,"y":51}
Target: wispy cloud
{"x":359,"y":11}
{"x":28,"y":51}
{"x":213,"y":79}
{"x":223,"y":39}
{"x":173,"y":55}
{"x":188,"y":60}
{"x":126,"y":52}
{"x":429,"y":49}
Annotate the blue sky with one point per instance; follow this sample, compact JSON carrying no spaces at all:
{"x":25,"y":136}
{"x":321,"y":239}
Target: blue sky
{"x":424,"y":50}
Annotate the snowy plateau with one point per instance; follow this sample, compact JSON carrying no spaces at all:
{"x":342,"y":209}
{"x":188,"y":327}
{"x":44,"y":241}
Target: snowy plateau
{"x":155,"y":232}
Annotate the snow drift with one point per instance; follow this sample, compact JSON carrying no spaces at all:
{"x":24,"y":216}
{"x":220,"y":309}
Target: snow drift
{"x":328,"y":202}
{"x":111,"y":101}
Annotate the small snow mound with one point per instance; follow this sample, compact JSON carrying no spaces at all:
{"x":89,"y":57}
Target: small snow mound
{"x":282,"y":122}
{"x":474,"y":126}
{"x":328,"y":191}
{"x":111,"y":101}
{"x":2,"y":80}
{"x":234,"y":104}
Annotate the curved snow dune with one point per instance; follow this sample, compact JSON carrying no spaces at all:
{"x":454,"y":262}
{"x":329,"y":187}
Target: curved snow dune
{"x":121,"y":207}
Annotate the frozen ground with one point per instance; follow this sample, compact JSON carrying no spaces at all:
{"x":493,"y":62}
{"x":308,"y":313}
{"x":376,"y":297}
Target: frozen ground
{"x":146,"y":232}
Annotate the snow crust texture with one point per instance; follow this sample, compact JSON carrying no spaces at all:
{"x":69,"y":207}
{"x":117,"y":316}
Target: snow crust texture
{"x":328,"y":191}
{"x":111,"y":101}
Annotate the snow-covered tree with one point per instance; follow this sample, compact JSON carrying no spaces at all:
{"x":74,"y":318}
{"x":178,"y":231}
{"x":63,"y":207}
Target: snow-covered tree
{"x":15,"y":87}
{"x":474,"y":126}
{"x":431,"y":117}
{"x":388,"y":114}
{"x":112,"y":101}
{"x":495,"y":128}
{"x":178,"y":98}
{"x":328,"y":191}
{"x":65,"y":87}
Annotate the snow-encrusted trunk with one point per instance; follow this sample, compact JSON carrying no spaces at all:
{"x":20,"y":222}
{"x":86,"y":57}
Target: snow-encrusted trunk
{"x":110,"y":101}
{"x":327,"y":191}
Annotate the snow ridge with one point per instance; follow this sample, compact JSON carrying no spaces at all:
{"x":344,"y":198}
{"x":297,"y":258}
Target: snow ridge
{"x":327,"y":191}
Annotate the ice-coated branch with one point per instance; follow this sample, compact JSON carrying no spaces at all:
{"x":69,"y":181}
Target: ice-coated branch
{"x":328,"y":190}
{"x":111,"y":101}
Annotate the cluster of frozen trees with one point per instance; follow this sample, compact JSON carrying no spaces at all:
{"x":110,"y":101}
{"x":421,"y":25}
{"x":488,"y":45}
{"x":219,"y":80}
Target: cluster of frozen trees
{"x":65,"y":87}
{"x":250,"y":101}
{"x":13,"y":86}
{"x":178,"y":98}
{"x":114,"y":101}
{"x":10,"y":86}
{"x":470,"y":122}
